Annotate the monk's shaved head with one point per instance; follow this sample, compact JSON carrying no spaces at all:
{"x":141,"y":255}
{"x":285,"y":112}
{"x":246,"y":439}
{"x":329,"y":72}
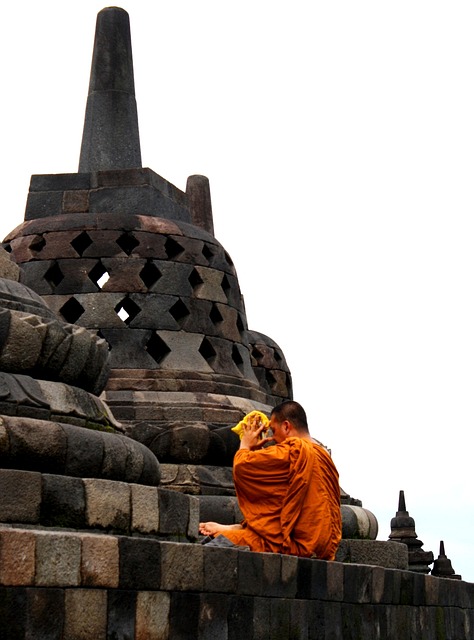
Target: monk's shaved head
{"x":293,"y":412}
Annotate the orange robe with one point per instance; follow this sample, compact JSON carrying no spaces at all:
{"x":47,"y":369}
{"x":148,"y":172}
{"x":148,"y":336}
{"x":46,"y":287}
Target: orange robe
{"x":289,"y":495}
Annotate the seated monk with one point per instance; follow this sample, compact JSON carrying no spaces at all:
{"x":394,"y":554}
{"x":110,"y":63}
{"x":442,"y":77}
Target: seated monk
{"x":288,"y":492}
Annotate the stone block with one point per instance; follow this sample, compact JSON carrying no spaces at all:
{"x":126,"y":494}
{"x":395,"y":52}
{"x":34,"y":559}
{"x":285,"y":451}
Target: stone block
{"x":60,"y":181}
{"x":335,"y":580}
{"x":185,"y":611}
{"x":184,"y":352}
{"x":174,"y":277}
{"x":357,"y":583}
{"x":221,"y":569}
{"x":250,"y":574}
{"x":76,"y":201}
{"x":197,"y":319}
{"x":194,"y":518}
{"x":26,"y":248}
{"x":289,"y":575}
{"x":319,"y":579}
{"x":107,"y":504}
{"x":121,"y":614}
{"x":279,"y":618}
{"x":99,"y":310}
{"x":128,"y":347}
{"x":154,"y":311}
{"x":272,"y":585}
{"x":150,"y":245}
{"x":124,"y":275}
{"x":299,"y":615}
{"x":84,"y":452}
{"x":100,"y":561}
{"x":43,"y":204}
{"x":149,"y":224}
{"x":76,"y":278}
{"x":262,"y":619}
{"x":114,"y":458}
{"x":142,"y":199}
{"x":58,"y":559}
{"x":239,"y":617}
{"x":140,"y":564}
{"x":432,"y":590}
{"x":213,"y":615}
{"x":152,"y":615}
{"x":174,"y":513}
{"x":374,"y":552}
{"x":60,"y":244}
{"x":17,"y":557}
{"x":21,"y":496}
{"x":102,"y":244}
{"x":45,"y":614}
{"x":37,"y":444}
{"x":13,"y":613}
{"x":145,"y":513}
{"x":78,"y":626}
{"x":304,"y":578}
{"x":182,"y":566}
{"x":316,"y":622}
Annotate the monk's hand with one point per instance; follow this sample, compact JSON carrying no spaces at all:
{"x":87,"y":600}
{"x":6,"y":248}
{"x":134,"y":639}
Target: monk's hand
{"x":252,"y":434}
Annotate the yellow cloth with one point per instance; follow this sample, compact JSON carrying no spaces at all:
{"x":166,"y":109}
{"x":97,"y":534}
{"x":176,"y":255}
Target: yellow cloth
{"x":289,"y":495}
{"x":239,"y":428}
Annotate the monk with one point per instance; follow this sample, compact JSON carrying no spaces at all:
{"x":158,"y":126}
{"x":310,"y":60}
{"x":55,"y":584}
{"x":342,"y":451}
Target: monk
{"x":288,"y":492}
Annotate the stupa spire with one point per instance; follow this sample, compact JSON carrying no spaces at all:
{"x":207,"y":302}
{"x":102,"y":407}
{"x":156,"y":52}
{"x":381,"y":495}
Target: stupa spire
{"x":110,"y":138}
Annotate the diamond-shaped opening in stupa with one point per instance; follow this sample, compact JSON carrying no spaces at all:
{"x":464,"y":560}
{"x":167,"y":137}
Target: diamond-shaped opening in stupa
{"x":150,"y":274}
{"x":127,"y":242}
{"x":127,"y":310}
{"x":81,"y":242}
{"x":157,"y":348}
{"x":99,"y":274}
{"x":72,"y":310}
{"x":54,"y":275}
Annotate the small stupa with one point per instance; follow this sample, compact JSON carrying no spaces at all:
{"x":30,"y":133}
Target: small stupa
{"x":403,"y":530}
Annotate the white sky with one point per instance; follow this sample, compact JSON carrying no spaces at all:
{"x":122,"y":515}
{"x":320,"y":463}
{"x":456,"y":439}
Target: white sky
{"x":338,"y":140}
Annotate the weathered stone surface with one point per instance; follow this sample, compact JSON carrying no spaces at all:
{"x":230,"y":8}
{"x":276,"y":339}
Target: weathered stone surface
{"x":145,"y":513}
{"x":78,"y":626}
{"x":17,"y":557}
{"x":100,"y":561}
{"x":140,"y":564}
{"x":107,"y":504}
{"x":63,"y":502}
{"x":250,"y":571}
{"x":152,"y":618}
{"x":84,"y":452}
{"x":182,"y":567}
{"x":220,"y":569}
{"x":21,"y":496}
{"x":36,"y":445}
{"x":8,"y":269}
{"x":121,"y":614}
{"x":375,"y":552}
{"x":174,"y":512}
{"x":45,"y":609}
{"x":58,"y":560}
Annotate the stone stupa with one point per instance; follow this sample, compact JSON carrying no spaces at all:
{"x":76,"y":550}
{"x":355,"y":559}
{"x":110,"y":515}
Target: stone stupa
{"x":118,"y":251}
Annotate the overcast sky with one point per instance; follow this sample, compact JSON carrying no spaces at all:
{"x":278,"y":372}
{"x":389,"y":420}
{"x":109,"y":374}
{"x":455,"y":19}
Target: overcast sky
{"x":338,"y":140}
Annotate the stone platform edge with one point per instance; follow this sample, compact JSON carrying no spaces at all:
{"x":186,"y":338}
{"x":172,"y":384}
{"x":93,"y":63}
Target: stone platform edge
{"x":159,"y":589}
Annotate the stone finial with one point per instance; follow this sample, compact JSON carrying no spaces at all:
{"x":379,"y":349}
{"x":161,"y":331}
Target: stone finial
{"x":110,"y":137}
{"x":199,"y":198}
{"x":442,"y":566}
{"x":403,"y":530}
